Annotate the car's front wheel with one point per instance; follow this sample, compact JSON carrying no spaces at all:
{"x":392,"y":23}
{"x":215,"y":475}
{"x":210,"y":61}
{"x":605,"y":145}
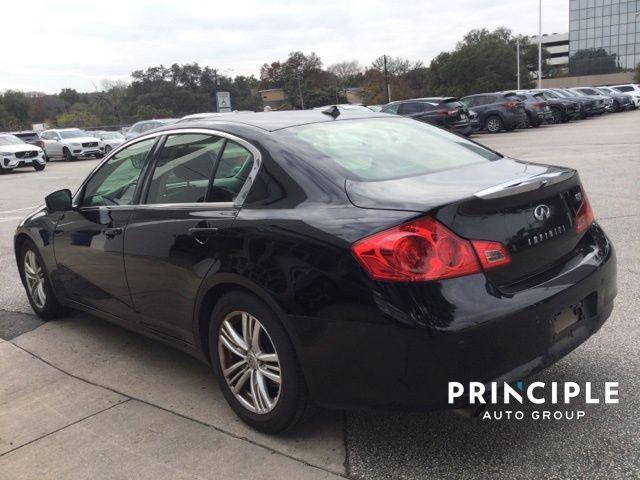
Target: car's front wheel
{"x":38,"y":167}
{"x":36,"y":282}
{"x":557,"y":115}
{"x":255,"y":364}
{"x":66,"y":153}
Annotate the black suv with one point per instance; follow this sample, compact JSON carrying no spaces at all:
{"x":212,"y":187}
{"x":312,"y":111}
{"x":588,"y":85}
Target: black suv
{"x":29,"y":136}
{"x":563,"y":109}
{"x":536,"y":107}
{"x":445,"y":112}
{"x":497,"y":111}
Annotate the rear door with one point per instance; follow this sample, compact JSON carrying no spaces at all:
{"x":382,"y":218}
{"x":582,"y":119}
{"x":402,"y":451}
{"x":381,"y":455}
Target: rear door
{"x":181,"y":228}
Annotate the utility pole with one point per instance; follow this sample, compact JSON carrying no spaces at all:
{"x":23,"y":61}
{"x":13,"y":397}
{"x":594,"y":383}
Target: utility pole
{"x":518,"y":60}
{"x":386,"y":80}
{"x":539,"y":43}
{"x":300,"y":89}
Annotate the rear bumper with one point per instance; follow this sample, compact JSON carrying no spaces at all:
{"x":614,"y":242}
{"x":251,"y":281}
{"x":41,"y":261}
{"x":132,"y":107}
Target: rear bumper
{"x":401,"y":352}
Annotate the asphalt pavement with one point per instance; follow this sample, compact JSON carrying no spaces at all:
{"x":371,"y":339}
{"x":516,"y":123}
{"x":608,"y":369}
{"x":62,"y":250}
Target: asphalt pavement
{"x":80,"y":398}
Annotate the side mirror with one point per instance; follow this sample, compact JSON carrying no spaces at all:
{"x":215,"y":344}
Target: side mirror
{"x":59,"y":201}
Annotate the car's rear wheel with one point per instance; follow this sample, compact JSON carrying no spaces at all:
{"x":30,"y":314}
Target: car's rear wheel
{"x":38,"y":167}
{"x":494,"y":124}
{"x":255,"y":363}
{"x":557,"y":115}
{"x":36,"y":281}
{"x":66,"y":153}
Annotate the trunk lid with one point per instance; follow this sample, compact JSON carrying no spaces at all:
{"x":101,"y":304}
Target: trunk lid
{"x":529,"y":208}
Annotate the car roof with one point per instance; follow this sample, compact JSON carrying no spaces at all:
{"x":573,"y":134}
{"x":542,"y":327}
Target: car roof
{"x":271,"y":121}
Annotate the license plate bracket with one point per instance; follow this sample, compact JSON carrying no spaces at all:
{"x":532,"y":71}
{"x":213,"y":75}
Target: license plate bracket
{"x":566,"y":319}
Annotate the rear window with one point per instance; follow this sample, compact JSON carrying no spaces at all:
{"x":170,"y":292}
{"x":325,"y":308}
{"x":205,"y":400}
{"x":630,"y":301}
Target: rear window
{"x":381,"y":148}
{"x":624,"y":89}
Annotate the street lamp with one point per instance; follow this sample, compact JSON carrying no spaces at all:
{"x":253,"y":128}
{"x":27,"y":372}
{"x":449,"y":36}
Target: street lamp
{"x":539,"y":43}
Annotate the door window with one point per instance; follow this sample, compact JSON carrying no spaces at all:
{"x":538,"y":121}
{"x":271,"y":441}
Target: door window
{"x":410,"y":108}
{"x":393,"y":108}
{"x":184,"y":169}
{"x":232,"y":173}
{"x":116,"y":180}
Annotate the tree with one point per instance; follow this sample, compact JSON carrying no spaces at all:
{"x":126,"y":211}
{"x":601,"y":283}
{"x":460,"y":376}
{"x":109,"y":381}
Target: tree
{"x":79,"y":116}
{"x":484,"y":61}
{"x":346,"y":72}
{"x":395,"y":65}
{"x":17,"y":106}
{"x":69,"y":95}
{"x":593,"y":61}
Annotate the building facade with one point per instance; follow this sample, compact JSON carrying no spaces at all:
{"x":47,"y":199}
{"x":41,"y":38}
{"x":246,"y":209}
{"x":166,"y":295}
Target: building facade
{"x":604,"y":36}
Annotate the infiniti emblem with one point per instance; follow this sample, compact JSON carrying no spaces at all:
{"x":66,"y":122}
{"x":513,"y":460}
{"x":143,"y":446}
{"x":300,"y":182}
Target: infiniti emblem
{"x":542,"y":212}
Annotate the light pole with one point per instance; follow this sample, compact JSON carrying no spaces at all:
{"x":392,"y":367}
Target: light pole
{"x":539,"y":43}
{"x":386,"y":80}
{"x":518,"y":60}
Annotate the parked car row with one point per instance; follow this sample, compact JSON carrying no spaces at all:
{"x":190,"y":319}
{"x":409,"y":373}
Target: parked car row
{"x":497,"y":111}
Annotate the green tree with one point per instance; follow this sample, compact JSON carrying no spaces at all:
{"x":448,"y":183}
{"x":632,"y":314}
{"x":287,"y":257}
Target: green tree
{"x":69,"y":95}
{"x":483,"y":61}
{"x":17,"y":106}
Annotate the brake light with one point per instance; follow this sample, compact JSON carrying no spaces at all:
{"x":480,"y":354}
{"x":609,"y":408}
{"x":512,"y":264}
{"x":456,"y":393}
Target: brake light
{"x":511,"y":105}
{"x":451,"y":113}
{"x":584,"y":216}
{"x":537,"y":106}
{"x":423,"y":250}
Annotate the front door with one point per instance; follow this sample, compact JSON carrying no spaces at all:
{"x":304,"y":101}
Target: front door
{"x":181,"y":230}
{"x":89,"y":239}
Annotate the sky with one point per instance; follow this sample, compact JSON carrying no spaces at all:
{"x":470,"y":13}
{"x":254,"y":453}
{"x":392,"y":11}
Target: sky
{"x":48,"y":45}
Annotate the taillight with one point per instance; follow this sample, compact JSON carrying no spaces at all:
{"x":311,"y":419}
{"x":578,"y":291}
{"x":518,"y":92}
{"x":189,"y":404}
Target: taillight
{"x":584,"y":217}
{"x":491,"y":254}
{"x":420,"y":250}
{"x":537,"y":106}
{"x":451,"y":113}
{"x":511,"y":105}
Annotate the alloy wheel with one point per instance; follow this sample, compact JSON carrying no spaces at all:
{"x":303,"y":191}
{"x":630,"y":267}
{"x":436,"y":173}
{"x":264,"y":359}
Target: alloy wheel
{"x":249,"y":362}
{"x":34,"y":275}
{"x":494,"y":125}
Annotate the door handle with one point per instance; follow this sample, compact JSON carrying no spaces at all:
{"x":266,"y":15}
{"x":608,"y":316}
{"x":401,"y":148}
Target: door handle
{"x":112,"y":232}
{"x":203,"y":231}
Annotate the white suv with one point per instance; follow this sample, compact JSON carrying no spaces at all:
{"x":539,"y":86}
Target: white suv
{"x":15,"y":153}
{"x":632,"y":89}
{"x":70,"y":144}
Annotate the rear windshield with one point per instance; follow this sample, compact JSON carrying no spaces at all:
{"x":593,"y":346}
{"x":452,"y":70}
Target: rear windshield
{"x":382,"y":149}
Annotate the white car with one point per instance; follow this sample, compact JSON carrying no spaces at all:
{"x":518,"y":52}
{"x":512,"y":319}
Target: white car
{"x":632,"y":89}
{"x":139,"y":128}
{"x":15,"y":153}
{"x":70,"y":144}
{"x":109,"y":140}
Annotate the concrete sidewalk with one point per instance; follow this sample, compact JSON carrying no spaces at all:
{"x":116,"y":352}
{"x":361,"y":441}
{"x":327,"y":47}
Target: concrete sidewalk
{"x":58,"y":422}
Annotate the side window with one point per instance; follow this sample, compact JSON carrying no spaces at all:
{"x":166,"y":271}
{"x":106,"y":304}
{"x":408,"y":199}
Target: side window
{"x":232,"y":173}
{"x":184,"y":169}
{"x":410,"y":108}
{"x":116,"y":180}
{"x":393,"y":108}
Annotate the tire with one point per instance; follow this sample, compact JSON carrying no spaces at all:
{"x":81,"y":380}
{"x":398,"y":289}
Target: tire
{"x":47,"y":306}
{"x":494,"y":124}
{"x":616,"y":106}
{"x":282,"y":405}
{"x":107,"y":149}
{"x":557,"y":115}
{"x":46,"y":158}
{"x":66,"y":154}
{"x":528,"y":123}
{"x":38,"y":168}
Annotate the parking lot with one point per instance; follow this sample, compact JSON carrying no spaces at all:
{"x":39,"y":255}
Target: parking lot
{"x":81,"y":398}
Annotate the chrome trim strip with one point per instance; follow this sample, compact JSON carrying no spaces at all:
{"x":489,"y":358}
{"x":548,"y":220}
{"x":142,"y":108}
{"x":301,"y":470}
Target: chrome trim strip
{"x":522,"y":185}
{"x":257,"y":162}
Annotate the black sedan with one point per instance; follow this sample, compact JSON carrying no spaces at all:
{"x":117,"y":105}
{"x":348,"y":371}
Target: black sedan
{"x":347,"y":259}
